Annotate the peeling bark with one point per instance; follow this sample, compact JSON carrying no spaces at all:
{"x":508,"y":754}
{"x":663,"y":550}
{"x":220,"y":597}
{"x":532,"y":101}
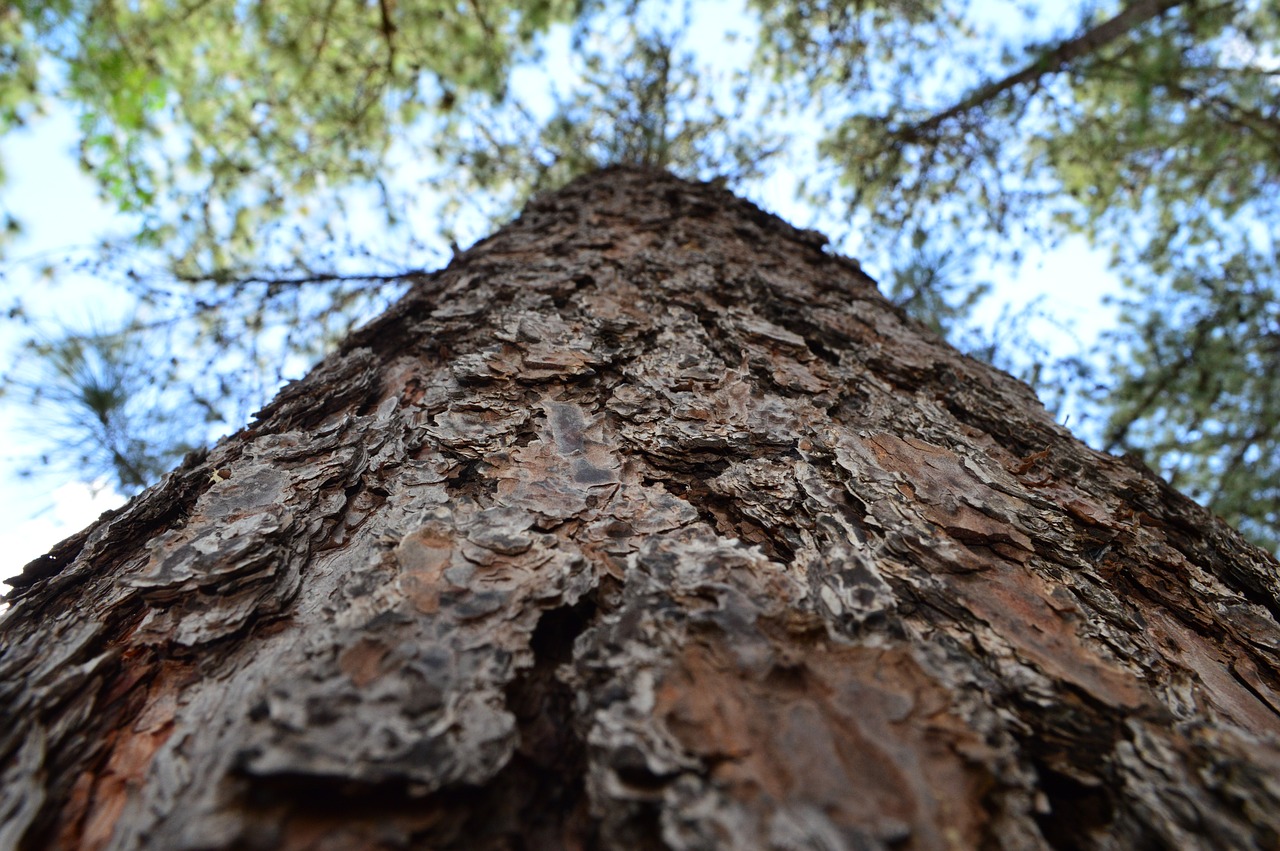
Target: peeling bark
{"x":646,"y":524}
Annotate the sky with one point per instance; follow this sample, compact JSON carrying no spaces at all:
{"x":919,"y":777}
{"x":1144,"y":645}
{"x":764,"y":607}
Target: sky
{"x":60,"y":210}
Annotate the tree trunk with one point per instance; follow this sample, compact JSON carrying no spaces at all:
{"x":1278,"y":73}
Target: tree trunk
{"x":646,"y":524}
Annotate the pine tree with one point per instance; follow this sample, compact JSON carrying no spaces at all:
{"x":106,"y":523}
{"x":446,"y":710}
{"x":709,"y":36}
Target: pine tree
{"x":647,"y":523}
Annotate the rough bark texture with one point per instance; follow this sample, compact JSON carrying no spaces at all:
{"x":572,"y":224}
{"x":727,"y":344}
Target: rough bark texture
{"x":646,"y":524}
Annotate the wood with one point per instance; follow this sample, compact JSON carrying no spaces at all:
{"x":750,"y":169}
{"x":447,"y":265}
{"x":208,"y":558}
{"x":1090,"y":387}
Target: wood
{"x":648,"y":523}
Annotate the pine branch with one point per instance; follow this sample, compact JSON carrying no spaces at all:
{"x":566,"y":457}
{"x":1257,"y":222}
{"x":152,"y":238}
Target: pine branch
{"x":1064,"y":54}
{"x":230,"y":279}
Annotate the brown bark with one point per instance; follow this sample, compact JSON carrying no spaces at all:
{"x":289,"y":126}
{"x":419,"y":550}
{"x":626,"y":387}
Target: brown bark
{"x":646,"y":524}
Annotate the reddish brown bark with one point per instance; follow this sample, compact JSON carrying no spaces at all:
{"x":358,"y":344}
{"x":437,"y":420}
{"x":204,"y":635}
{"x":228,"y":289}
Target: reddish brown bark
{"x":646,"y":524}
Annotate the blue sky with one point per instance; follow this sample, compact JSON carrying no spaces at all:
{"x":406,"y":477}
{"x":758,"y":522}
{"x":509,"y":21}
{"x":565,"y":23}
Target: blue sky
{"x":60,"y":211}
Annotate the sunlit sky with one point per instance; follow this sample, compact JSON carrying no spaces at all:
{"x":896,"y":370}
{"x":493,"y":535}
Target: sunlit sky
{"x":60,"y":211}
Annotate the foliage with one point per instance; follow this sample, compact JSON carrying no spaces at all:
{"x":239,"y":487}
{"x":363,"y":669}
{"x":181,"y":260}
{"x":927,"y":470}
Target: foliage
{"x":287,"y":164}
{"x":213,"y":120}
{"x":93,"y":394}
{"x":1198,"y":391}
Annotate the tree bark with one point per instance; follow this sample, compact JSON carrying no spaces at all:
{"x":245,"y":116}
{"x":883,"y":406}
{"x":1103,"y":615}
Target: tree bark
{"x":646,"y":524}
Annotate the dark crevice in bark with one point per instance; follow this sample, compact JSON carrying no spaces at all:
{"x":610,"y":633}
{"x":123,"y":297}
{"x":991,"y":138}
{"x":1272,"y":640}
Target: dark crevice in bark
{"x":641,"y":830}
{"x":1077,"y":814}
{"x":1251,"y":589}
{"x":551,"y":758}
{"x":303,"y":798}
{"x":387,"y":333}
{"x":855,"y":515}
{"x":1072,"y":751}
{"x":678,"y":471}
{"x":848,"y":406}
{"x":904,"y":381}
{"x":524,"y":435}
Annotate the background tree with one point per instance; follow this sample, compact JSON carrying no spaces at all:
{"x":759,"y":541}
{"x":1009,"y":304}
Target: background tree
{"x":280,"y":162}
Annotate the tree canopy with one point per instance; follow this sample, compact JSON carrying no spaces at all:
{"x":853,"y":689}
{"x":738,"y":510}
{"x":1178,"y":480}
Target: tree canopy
{"x":285,"y":166}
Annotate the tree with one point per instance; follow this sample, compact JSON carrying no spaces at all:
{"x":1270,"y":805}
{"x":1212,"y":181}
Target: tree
{"x":647,"y":523}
